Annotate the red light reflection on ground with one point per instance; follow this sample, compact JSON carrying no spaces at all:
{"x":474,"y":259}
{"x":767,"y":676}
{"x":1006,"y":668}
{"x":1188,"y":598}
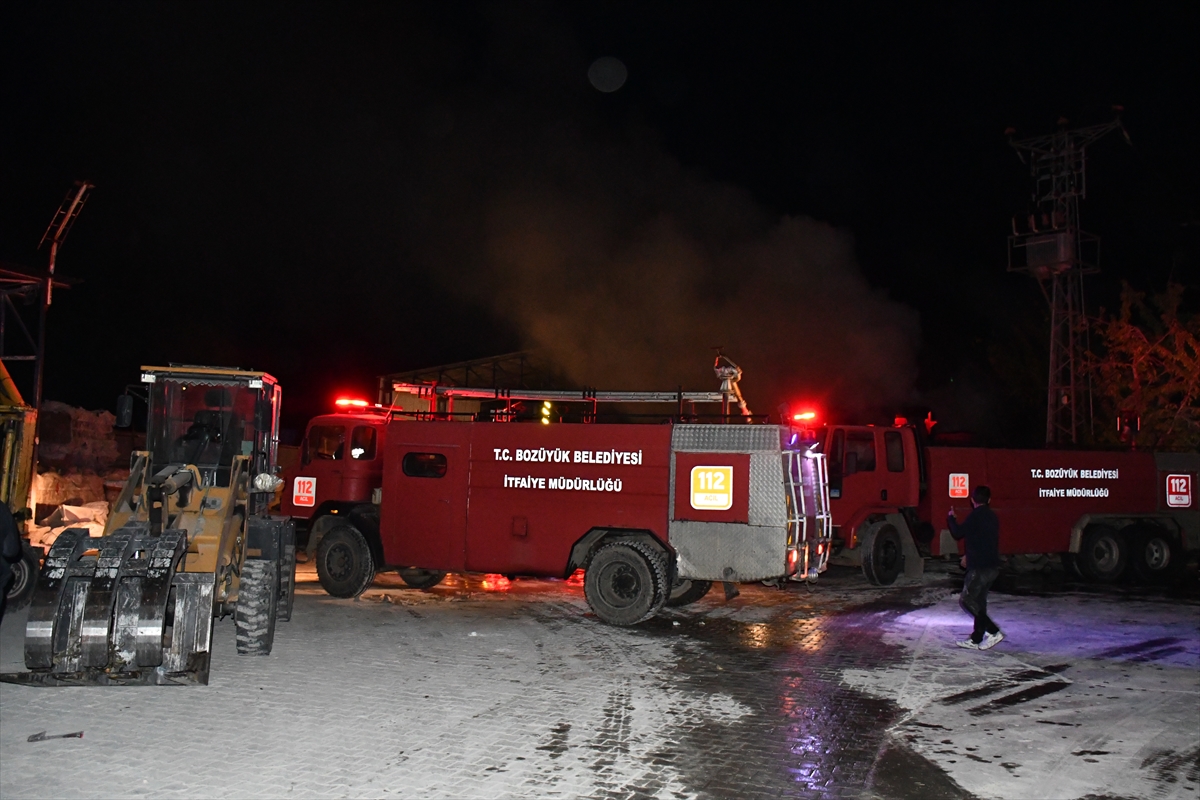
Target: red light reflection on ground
{"x":496,"y":583}
{"x":576,"y":578}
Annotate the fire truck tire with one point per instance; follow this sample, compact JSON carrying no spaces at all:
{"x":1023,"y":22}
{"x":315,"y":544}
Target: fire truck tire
{"x":658,"y":561}
{"x":1155,"y":553}
{"x":421,"y":578}
{"x":882,"y":554}
{"x":24,"y":579}
{"x":625,"y":583}
{"x":344,"y":564}
{"x":1103,"y":554}
{"x":684,"y":592}
{"x":257,"y":607}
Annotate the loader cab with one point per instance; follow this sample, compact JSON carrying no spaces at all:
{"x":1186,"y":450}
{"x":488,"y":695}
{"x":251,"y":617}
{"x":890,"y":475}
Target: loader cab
{"x":208,"y":416}
{"x":341,"y":461}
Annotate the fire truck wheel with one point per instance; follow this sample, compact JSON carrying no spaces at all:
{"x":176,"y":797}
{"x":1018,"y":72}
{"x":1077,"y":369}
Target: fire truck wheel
{"x":24,"y":579}
{"x":684,"y":592}
{"x":624,"y":584}
{"x":882,"y":554}
{"x":344,"y":564}
{"x":421,"y":578}
{"x":1155,"y":553}
{"x":1103,"y":554}
{"x":257,"y":607}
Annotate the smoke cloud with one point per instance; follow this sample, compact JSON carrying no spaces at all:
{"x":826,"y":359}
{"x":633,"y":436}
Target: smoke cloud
{"x":601,"y":250}
{"x":627,"y":270}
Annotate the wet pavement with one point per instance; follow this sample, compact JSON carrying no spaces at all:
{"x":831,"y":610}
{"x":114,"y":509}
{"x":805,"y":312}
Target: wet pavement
{"x":482,"y":688}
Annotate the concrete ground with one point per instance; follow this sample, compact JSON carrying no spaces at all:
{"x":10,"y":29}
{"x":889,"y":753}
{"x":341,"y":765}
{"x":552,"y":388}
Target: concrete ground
{"x":474,"y":690}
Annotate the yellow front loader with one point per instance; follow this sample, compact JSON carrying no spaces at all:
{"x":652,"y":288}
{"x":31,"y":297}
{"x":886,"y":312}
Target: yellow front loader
{"x":189,"y":540}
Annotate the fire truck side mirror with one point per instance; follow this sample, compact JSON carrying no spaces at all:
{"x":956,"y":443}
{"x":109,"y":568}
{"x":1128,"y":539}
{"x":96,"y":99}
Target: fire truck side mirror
{"x":124,"y":411}
{"x":851,"y":464}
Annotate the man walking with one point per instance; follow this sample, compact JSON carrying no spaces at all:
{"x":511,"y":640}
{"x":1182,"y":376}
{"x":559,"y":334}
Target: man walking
{"x":981,"y":530}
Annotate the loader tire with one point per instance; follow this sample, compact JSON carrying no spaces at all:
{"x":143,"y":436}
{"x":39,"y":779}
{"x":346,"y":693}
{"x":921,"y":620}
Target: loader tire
{"x":625,"y":583}
{"x":344,"y":564}
{"x":257,"y":605}
{"x":684,"y":592}
{"x":421,"y":578}
{"x":882,"y":554}
{"x":24,"y":579}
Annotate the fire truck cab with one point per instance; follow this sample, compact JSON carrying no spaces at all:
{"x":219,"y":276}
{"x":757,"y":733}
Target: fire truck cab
{"x":340,"y":468}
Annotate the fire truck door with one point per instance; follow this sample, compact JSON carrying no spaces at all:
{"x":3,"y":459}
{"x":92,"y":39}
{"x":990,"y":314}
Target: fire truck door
{"x":898,"y":473}
{"x":427,"y":525}
{"x":319,"y":476}
{"x":853,"y":467}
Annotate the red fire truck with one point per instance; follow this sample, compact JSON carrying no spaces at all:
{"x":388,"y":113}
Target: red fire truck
{"x":654,"y":513}
{"x":1105,"y":513}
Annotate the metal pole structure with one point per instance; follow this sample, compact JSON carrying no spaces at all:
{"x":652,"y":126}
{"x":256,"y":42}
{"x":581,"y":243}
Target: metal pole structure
{"x":1052,"y":247}
{"x":55,"y":233}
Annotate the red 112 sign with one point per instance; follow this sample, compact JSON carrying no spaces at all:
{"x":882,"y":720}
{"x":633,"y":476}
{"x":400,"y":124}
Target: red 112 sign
{"x":1179,"y":491}
{"x":304,"y":492}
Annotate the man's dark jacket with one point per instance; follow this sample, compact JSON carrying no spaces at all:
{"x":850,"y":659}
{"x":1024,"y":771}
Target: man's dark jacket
{"x":10,"y":545}
{"x":981,"y":529}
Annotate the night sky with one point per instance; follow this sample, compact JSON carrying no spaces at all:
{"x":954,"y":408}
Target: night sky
{"x":334,"y":191}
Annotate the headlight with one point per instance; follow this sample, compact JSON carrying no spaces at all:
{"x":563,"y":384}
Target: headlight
{"x":265,"y":482}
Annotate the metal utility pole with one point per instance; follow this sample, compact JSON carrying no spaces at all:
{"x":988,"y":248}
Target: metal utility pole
{"x":55,"y":234}
{"x":1051,"y":246}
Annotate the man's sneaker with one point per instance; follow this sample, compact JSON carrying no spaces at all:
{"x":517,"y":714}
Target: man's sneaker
{"x":990,"y":640}
{"x":967,"y":643}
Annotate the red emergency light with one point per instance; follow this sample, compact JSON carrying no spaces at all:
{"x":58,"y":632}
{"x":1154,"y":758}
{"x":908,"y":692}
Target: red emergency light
{"x":350,"y":402}
{"x":805,"y":416}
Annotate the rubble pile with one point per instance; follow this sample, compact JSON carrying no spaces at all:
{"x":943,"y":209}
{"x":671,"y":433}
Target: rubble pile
{"x":53,"y":488}
{"x":90,"y":515}
{"x":75,"y":438}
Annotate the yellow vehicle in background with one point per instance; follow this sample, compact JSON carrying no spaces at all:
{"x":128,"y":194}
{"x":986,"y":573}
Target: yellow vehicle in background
{"x":18,"y":426}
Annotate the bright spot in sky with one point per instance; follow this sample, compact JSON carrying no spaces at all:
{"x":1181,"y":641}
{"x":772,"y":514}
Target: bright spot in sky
{"x":607,"y":74}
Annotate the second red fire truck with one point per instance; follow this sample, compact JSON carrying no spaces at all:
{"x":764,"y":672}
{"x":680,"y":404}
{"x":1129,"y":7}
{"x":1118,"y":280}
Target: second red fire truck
{"x":1107,"y":514}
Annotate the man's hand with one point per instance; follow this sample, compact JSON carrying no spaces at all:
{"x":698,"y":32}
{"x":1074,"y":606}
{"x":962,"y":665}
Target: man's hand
{"x":962,"y":562}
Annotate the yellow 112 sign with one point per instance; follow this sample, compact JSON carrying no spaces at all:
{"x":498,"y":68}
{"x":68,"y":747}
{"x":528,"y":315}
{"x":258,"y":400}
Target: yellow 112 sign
{"x":712,"y":488}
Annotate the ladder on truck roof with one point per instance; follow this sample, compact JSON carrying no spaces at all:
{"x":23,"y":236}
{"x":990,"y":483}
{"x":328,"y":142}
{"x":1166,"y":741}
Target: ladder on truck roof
{"x":433,"y":392}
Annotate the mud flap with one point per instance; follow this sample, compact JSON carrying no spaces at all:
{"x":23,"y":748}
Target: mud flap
{"x":914,"y":565}
{"x":274,"y":539}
